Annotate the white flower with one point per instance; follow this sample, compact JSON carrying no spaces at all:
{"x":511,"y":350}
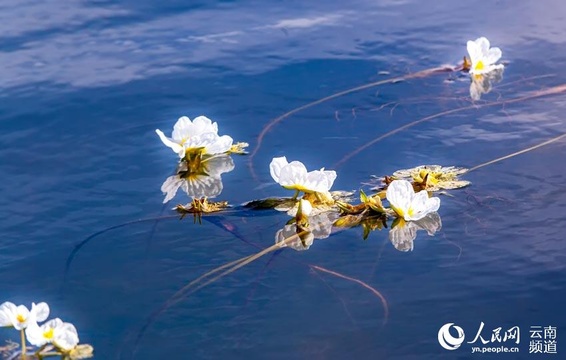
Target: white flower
{"x":407,"y":204}
{"x":294,"y":176}
{"x":199,"y":133}
{"x":482,"y":57}
{"x":404,"y":233}
{"x":56,"y":332}
{"x":20,"y":317}
{"x":203,"y":181}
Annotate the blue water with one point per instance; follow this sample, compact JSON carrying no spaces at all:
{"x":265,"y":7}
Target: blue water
{"x":85,"y":84}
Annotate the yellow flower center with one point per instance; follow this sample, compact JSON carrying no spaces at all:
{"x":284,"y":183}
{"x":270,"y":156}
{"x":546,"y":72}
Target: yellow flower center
{"x":410,"y":211}
{"x":20,"y":318}
{"x":48,"y":334}
{"x":399,"y":212}
{"x":480,"y":65}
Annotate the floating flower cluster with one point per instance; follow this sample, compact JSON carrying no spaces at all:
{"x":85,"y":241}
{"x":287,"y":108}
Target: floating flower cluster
{"x":53,"y":338}
{"x":314,"y":208}
{"x":482,"y":65}
{"x":204,"y":157}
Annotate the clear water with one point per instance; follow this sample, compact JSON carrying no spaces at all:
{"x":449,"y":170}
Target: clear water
{"x":85,"y":84}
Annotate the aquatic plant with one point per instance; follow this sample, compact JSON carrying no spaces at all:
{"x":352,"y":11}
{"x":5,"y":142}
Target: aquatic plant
{"x":199,"y":136}
{"x":294,"y":176}
{"x":409,"y":205}
{"x":53,"y":338}
{"x":483,"y":58}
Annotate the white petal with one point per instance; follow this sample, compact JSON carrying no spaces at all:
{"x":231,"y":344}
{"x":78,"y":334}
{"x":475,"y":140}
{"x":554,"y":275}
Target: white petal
{"x":317,"y":181}
{"x":306,"y":207}
{"x":294,"y":173}
{"x":202,"y":125}
{"x":422,"y":205}
{"x":66,"y":337}
{"x":483,"y":45}
{"x":40,"y":312}
{"x":275,"y":167}
{"x":473,"y":51}
{"x":493,"y":55}
{"x":34,"y":335}
{"x":169,"y":142}
{"x":6,"y":309}
{"x":220,"y":145}
{"x":400,"y":194}
{"x":182,"y":129}
{"x":432,"y":204}
{"x":24,"y":312}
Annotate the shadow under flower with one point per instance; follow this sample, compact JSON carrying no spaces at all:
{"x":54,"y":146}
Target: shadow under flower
{"x":198,"y":177}
{"x":403,"y":233}
{"x":483,"y":83}
{"x":319,"y":227}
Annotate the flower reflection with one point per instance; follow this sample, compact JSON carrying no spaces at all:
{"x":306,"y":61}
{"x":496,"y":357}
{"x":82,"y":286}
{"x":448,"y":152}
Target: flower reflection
{"x":403,"y":233}
{"x":198,"y":177}
{"x":482,"y":83}
{"x":319,"y":227}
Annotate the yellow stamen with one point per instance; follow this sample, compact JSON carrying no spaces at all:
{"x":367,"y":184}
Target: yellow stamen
{"x":48,"y":334}
{"x":410,"y":211}
{"x":20,"y":318}
{"x":479,"y":65}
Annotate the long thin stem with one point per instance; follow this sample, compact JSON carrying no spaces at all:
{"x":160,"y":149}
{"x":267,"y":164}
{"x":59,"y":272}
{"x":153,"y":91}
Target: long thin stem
{"x":23,"y":339}
{"x":536,"y":94}
{"x":277,"y":120}
{"x":518,"y":152}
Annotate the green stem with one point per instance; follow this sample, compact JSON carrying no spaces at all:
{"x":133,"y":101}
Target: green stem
{"x":296,"y":195}
{"x":23,"y":339}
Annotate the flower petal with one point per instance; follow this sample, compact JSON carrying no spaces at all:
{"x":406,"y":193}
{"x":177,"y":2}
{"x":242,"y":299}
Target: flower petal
{"x":66,"y":337}
{"x":292,"y":174}
{"x":202,"y":124}
{"x":306,"y":207}
{"x":473,"y":51}
{"x":34,"y":335}
{"x":400,"y":194}
{"x":40,"y":312}
{"x":169,"y":142}
{"x":483,"y":45}
{"x":318,"y":181}
{"x":493,"y":55}
{"x":220,"y":145}
{"x":6,"y":309}
{"x":182,"y":129}
{"x":275,"y":167}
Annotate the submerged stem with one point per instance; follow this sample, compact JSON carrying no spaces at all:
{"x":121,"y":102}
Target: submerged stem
{"x":518,"y":152}
{"x":272,"y":123}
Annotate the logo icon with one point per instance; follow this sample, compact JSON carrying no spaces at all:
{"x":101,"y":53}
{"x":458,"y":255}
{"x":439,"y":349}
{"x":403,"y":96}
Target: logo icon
{"x":446,"y":340}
